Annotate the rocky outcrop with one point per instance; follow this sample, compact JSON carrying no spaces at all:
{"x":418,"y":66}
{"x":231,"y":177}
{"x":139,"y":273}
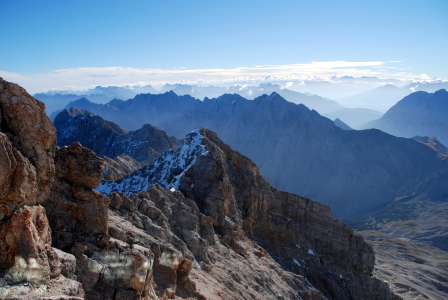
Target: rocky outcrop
{"x":108,"y":140}
{"x":107,"y":268}
{"x":27,"y":147}
{"x":24,"y":121}
{"x":27,"y":170}
{"x":75,"y":212}
{"x":241,"y":208}
{"x":119,"y":167}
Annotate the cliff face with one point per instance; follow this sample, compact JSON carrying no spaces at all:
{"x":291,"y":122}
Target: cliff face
{"x":27,"y":150}
{"x":300,"y":234}
{"x":220,"y":233}
{"x":119,"y":167}
{"x":27,"y":141}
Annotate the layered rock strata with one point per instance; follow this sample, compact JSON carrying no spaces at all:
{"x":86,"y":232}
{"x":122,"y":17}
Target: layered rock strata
{"x":301,"y":235}
{"x":27,"y":149}
{"x":120,"y":166}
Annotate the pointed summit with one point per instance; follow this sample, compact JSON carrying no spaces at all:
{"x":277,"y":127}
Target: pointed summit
{"x":166,"y":171}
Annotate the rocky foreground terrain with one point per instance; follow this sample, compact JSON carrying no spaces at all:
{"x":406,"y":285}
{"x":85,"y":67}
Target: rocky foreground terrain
{"x":222,"y":233}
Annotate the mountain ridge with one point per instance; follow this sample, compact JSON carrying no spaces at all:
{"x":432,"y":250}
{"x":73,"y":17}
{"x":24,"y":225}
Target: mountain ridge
{"x":242,"y":210}
{"x":108,"y":139}
{"x":420,"y":113}
{"x":323,"y":160}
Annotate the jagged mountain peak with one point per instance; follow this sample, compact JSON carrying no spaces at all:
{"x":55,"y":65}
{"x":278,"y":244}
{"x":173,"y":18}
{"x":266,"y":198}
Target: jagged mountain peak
{"x":228,"y":188}
{"x":339,"y":123}
{"x":74,"y":111}
{"x":69,"y":119}
{"x":271,"y":97}
{"x":115,"y":102}
{"x":108,"y":139}
{"x":166,"y":171}
{"x":84,"y":99}
{"x":68,"y":114}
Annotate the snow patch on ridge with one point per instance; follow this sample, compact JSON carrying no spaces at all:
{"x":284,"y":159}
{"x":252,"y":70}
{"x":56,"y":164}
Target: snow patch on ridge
{"x":166,"y":171}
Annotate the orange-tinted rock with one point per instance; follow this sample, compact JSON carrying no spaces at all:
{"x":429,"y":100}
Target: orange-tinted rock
{"x":18,"y":182}
{"x":24,"y":120}
{"x":73,"y":208}
{"x":24,"y":242}
{"x":27,"y":144}
{"x":79,"y":165}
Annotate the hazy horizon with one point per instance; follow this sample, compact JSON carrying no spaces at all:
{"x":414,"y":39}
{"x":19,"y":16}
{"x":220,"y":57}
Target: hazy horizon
{"x":63,"y":45}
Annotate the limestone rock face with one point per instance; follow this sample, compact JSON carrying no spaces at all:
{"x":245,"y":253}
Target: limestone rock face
{"x":27,"y":149}
{"x":27,"y":141}
{"x":73,"y":208}
{"x":119,"y":167}
{"x":18,"y":182}
{"x":191,"y":260}
{"x":79,"y":165}
{"x":225,"y":203}
{"x":24,"y":120}
{"x":301,"y":233}
{"x":25,"y":241}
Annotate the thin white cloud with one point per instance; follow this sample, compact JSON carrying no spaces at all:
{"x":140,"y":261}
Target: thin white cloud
{"x":82,"y":78}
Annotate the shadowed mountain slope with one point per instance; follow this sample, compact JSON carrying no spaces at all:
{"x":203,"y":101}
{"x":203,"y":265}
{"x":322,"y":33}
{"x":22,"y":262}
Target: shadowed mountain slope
{"x":228,"y":188}
{"x":296,"y":149}
{"x":420,"y":113}
{"x":108,"y":139}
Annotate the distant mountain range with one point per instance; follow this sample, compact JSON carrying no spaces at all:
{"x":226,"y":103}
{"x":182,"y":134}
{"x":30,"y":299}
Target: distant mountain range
{"x":379,"y":99}
{"x":420,"y":113}
{"x":354,"y":117}
{"x":384,"y":97}
{"x":296,"y":149}
{"x":56,"y":100}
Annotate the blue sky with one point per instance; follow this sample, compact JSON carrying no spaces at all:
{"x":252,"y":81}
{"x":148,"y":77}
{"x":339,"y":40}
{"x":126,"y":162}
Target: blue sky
{"x":40,"y":38}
